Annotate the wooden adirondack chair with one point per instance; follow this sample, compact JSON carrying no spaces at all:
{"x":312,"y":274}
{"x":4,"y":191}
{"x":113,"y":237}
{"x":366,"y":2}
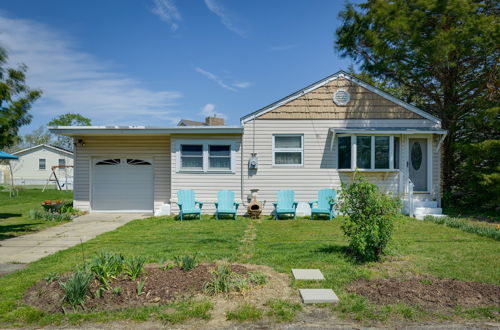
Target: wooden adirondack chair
{"x":187,"y":203}
{"x":226,"y":204}
{"x":326,"y":202}
{"x":286,"y":204}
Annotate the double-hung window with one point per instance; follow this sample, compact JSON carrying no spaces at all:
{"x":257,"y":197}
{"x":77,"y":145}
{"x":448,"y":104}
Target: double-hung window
{"x":41,"y":163}
{"x":288,"y":150}
{"x":206,"y":156}
{"x":368,"y":152}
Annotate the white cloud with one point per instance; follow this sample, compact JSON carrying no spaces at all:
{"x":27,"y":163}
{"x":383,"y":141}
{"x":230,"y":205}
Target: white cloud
{"x":243,"y":84}
{"x":224,"y":16}
{"x":168,"y":12}
{"x":219,"y":81}
{"x":74,"y":81}
{"x":208,"y":110}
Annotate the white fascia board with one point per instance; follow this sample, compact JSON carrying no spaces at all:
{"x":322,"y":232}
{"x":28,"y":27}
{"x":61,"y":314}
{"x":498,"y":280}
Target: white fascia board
{"x":340,"y":74}
{"x":373,"y":131}
{"x":142,"y":130}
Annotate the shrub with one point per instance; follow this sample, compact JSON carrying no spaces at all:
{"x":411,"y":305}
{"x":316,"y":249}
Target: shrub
{"x":369,"y":224}
{"x":106,"y":266}
{"x":186,"y":263}
{"x":75,"y":288}
{"x":245,"y":312}
{"x":134,"y":267}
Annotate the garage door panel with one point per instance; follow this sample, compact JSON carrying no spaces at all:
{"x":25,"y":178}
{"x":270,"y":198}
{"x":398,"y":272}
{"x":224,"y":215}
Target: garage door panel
{"x":122,"y":184}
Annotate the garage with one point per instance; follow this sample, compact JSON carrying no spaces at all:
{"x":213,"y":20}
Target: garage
{"x":122,"y":184}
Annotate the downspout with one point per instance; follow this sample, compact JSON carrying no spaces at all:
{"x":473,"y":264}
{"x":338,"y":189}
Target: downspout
{"x":242,"y":154}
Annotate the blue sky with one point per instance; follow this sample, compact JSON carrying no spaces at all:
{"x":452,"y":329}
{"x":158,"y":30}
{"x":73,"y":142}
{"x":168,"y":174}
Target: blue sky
{"x":153,"y":62}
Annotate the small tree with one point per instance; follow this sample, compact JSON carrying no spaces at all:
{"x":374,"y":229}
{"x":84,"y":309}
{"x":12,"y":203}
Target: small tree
{"x":369,"y":224}
{"x":68,"y":119}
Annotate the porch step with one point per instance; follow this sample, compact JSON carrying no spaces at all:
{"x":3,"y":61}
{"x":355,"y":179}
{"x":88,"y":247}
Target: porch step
{"x":427,"y":203}
{"x":428,"y":210}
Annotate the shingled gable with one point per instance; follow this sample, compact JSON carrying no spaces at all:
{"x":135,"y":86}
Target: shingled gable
{"x":316,"y":102}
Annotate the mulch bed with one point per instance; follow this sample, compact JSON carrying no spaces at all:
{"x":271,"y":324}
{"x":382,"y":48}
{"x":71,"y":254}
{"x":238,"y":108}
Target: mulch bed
{"x":160,"y":287}
{"x":428,"y":293}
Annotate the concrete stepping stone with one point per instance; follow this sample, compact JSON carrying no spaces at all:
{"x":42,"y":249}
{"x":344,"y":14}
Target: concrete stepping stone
{"x":308,"y":274}
{"x":318,"y":296}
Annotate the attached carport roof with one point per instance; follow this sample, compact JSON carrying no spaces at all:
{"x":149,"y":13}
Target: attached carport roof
{"x":143,"y":130}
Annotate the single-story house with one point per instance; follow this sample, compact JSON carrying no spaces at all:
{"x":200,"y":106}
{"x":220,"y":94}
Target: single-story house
{"x":314,"y":138}
{"x":34,"y":165}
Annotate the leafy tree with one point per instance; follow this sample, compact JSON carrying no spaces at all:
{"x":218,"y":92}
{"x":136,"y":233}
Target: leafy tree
{"x":16,"y":99}
{"x":443,"y":55}
{"x":68,"y":119}
{"x":39,"y":136}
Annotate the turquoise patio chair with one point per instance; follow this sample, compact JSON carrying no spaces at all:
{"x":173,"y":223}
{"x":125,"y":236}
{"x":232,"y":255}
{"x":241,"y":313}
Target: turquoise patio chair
{"x":225,"y":204}
{"x":286,"y":204}
{"x":326,"y":201}
{"x":187,"y":203}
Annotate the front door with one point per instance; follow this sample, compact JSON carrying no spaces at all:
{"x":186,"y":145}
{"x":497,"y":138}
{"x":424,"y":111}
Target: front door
{"x":418,"y":164}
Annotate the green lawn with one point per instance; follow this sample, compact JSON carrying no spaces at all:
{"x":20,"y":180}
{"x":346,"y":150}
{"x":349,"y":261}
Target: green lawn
{"x":419,"y":248}
{"x":13,"y":221}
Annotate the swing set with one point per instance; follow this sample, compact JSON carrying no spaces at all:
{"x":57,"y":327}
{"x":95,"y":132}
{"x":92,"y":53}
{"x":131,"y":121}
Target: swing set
{"x":53,"y":177}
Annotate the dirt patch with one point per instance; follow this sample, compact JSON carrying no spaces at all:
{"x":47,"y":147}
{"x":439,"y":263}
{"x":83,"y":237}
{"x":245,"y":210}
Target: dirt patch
{"x":160,"y":287}
{"x":428,"y":293}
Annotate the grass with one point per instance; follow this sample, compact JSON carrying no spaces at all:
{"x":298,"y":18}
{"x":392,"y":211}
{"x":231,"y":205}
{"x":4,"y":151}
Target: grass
{"x":475,"y":227}
{"x":420,"y":247}
{"x":13,"y":211}
{"x":245,"y":312}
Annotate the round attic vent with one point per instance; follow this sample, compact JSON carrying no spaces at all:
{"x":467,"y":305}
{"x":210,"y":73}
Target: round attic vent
{"x":341,"y":97}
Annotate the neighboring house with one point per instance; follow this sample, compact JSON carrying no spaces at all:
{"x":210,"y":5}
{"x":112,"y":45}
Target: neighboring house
{"x":209,"y":121}
{"x":312,"y":139}
{"x":34,"y":165}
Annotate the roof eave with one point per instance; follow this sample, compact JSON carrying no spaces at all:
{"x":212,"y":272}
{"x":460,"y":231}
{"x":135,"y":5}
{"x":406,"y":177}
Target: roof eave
{"x":118,"y":130}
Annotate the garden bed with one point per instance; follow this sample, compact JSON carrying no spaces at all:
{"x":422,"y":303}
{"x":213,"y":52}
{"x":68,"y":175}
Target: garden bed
{"x":431,"y":294}
{"x":160,"y":287}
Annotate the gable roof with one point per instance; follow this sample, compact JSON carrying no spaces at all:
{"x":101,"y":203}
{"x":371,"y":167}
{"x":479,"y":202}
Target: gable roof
{"x":41,"y":146}
{"x":339,"y":74}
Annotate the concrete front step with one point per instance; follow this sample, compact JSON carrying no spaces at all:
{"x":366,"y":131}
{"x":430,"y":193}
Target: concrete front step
{"x":432,"y":204}
{"x":428,"y":210}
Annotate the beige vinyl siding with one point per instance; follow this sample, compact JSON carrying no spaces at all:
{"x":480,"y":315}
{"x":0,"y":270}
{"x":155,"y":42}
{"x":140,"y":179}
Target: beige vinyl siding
{"x":206,"y":185}
{"x":320,"y":158}
{"x":155,"y":147}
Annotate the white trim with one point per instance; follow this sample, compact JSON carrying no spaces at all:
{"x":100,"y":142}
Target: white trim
{"x":377,"y":131}
{"x":42,"y":146}
{"x":143,"y":130}
{"x":340,"y":74}
{"x":441,"y":140}
{"x":205,"y":143}
{"x":301,"y":150}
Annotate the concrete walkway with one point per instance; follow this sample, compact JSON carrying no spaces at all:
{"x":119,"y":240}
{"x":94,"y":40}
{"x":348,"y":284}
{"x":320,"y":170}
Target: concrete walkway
{"x":32,"y":247}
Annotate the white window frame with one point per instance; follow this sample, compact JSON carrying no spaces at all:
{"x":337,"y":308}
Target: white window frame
{"x":354,"y":153}
{"x":301,"y":150}
{"x":205,"y":147}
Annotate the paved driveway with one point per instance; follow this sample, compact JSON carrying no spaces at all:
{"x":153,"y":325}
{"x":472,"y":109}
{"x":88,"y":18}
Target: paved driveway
{"x":31,"y":247}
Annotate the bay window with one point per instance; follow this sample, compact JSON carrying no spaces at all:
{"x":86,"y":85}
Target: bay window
{"x":288,"y":150}
{"x":368,"y":152}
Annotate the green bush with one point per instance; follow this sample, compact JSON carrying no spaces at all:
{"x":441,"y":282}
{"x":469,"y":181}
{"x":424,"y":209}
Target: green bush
{"x":369,"y":224}
{"x":76,"y":287}
{"x":186,"y":263}
{"x":107,"y":266}
{"x":38,"y":214}
{"x":134,"y":267}
{"x":466,"y":226}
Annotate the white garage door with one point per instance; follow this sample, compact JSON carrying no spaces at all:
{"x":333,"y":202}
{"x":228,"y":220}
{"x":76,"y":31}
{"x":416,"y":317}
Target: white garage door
{"x":122,"y":184}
